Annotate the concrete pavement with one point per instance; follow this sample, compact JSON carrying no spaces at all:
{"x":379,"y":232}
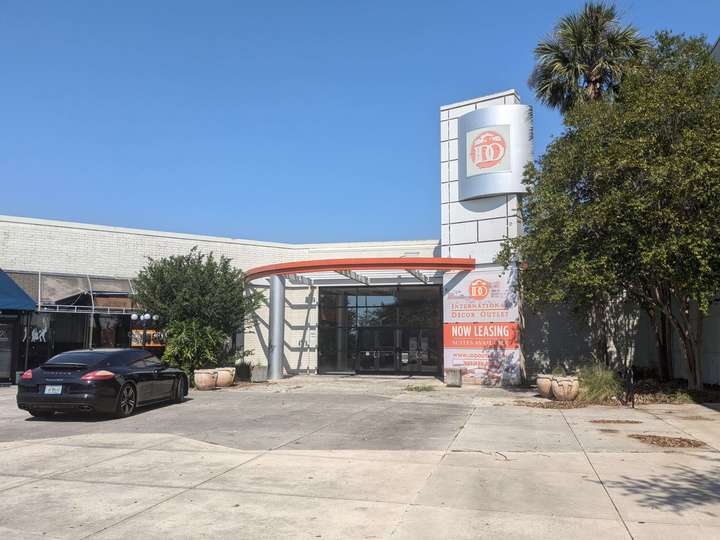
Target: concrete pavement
{"x":315,"y":457}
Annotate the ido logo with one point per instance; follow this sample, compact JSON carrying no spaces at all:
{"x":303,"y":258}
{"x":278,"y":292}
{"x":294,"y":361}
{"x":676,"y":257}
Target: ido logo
{"x":479,"y":289}
{"x":487,"y":149}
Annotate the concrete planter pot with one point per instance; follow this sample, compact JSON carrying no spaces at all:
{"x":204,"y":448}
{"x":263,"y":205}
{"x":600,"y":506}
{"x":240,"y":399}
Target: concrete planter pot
{"x":453,"y":377}
{"x":225,"y":376}
{"x":544,"y":385}
{"x":565,"y":388}
{"x":205,"y":379}
{"x":259,"y":374}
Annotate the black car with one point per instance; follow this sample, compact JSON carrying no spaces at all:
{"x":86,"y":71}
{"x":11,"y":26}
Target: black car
{"x":113,"y":381}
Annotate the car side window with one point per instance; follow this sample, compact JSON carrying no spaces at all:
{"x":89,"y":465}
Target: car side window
{"x":139,"y":364}
{"x":153,"y":362}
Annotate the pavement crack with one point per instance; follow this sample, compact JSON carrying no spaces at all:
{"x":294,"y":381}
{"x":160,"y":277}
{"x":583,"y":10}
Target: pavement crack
{"x":597,"y":475}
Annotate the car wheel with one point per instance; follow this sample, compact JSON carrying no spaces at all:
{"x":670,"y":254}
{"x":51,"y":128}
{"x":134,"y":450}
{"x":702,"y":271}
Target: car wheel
{"x":180,"y":390}
{"x":41,"y":413}
{"x":126,"y":401}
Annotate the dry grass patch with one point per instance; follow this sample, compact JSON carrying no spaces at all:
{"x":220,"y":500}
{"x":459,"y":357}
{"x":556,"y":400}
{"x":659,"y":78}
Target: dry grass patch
{"x":420,"y":388}
{"x":551,"y":404}
{"x":668,"y":442}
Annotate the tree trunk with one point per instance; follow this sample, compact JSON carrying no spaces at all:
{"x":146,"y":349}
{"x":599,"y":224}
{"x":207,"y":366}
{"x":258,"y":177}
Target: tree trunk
{"x":599,"y":333}
{"x":697,"y":319}
{"x":691,"y":341}
{"x":663,"y":344}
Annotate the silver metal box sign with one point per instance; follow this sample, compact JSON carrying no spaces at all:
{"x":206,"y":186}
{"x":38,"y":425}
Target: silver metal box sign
{"x":495,"y":143}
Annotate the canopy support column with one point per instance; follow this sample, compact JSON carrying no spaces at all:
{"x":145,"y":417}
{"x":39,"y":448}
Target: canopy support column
{"x":277,"y":327}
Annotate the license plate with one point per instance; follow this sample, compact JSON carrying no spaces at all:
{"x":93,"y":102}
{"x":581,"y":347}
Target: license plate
{"x":53,"y":388}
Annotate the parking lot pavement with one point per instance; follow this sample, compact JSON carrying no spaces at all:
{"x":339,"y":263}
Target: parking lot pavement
{"x":330,"y":457}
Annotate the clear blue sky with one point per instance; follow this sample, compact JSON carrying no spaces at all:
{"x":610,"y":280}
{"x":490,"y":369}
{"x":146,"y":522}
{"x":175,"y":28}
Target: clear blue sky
{"x":280,"y":120}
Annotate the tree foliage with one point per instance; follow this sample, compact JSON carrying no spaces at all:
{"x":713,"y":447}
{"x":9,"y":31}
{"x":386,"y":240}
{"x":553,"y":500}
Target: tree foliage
{"x":585,"y":57}
{"x":627,"y":200}
{"x":197,"y":287}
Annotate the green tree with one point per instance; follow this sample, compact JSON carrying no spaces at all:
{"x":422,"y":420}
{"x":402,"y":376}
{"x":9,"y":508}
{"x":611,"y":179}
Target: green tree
{"x":626,"y":200}
{"x":662,"y":161}
{"x":584,"y":58}
{"x":197,"y":287}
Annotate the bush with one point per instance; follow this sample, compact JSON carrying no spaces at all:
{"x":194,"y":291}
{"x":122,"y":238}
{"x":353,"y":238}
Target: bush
{"x":243,"y":369}
{"x":598,"y":383}
{"x":191,"y":345}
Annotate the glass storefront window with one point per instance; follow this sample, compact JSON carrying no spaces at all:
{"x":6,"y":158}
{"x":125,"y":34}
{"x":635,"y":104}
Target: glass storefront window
{"x":380,"y":329}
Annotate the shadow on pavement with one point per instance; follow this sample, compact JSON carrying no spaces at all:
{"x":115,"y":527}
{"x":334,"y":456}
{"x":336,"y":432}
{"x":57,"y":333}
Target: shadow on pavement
{"x":678,"y":488}
{"x":90,"y":417}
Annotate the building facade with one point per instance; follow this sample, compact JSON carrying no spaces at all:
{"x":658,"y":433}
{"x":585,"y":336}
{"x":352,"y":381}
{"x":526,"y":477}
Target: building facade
{"x":379,"y":321}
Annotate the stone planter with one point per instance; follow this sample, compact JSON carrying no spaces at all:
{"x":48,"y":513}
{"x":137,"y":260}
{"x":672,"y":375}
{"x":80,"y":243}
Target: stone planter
{"x":565,"y":388}
{"x":453,"y":377}
{"x":259,"y":374}
{"x":225,"y":376}
{"x":205,"y":379}
{"x":544,"y":385}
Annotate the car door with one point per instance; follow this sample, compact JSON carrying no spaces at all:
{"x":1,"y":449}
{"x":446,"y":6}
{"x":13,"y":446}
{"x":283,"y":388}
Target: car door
{"x":164,"y":378}
{"x":144,"y":378}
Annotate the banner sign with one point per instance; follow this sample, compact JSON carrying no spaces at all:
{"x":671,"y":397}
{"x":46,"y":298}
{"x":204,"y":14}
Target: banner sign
{"x":481,"y":330}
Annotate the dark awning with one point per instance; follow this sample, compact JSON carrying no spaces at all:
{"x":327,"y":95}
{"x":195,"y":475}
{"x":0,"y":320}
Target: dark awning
{"x":12,"y":296}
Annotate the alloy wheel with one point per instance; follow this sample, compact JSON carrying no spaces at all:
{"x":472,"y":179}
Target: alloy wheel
{"x":127,"y":400}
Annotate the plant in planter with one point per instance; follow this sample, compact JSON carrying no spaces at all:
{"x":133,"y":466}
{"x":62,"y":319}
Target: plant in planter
{"x":544,"y":384}
{"x":197,"y":349}
{"x":544,"y":381}
{"x":565,"y":388}
{"x":206,"y":300}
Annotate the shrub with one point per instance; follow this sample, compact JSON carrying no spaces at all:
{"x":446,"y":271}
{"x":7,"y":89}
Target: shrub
{"x":192,"y":345}
{"x":419,"y":388}
{"x":243,"y":369}
{"x":558,"y":371}
{"x":598,"y":383}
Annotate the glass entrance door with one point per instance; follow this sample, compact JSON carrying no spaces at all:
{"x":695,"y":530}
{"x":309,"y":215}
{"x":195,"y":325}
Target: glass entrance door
{"x":376,"y":350}
{"x":419,"y":350}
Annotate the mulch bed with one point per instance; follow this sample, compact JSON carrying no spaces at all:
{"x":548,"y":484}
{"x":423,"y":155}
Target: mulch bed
{"x":649,"y":391}
{"x":668,"y":442}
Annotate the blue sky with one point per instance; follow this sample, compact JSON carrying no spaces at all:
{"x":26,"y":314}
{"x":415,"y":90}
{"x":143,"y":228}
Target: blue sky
{"x":280,"y":120}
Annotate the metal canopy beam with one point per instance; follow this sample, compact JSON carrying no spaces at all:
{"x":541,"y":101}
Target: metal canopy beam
{"x":354,"y":276}
{"x":419,"y":276}
{"x":300,"y":280}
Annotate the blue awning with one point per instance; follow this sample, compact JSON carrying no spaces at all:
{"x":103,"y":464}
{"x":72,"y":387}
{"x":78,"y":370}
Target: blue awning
{"x":12,"y":296}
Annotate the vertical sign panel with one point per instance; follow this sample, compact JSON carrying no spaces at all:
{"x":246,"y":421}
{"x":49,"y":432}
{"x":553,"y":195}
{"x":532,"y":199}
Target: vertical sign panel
{"x":481,"y":330}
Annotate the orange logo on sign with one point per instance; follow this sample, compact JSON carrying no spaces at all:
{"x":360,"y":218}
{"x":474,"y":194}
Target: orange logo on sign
{"x":479,"y":289}
{"x":487,"y":149}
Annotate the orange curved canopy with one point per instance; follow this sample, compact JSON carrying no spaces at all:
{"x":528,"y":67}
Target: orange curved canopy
{"x":381,"y":263}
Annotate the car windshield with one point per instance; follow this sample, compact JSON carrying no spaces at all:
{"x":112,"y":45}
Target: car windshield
{"x":85,"y":358}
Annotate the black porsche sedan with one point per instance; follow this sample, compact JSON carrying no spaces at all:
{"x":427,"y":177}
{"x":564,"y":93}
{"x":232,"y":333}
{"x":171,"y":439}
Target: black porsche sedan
{"x":109,"y":381}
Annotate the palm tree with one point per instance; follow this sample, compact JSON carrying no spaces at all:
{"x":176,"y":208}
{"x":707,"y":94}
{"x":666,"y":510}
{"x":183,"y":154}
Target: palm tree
{"x":584,"y":57}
